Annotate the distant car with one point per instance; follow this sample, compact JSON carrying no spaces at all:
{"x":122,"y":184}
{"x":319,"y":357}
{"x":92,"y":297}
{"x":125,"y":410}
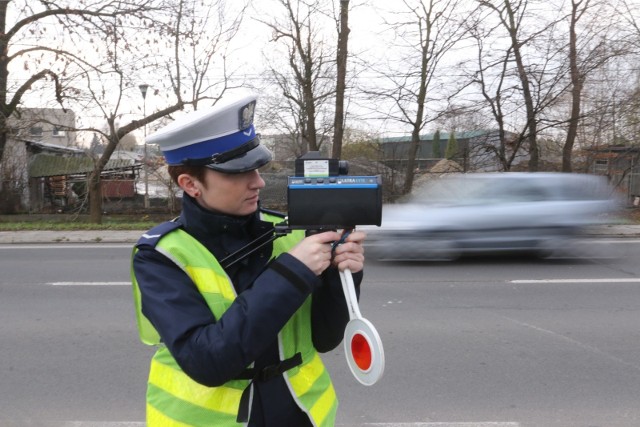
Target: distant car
{"x":490,"y":213}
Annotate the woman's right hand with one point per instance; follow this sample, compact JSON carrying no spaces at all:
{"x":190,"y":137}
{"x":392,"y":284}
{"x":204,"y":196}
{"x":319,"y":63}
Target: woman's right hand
{"x":315,"y":251}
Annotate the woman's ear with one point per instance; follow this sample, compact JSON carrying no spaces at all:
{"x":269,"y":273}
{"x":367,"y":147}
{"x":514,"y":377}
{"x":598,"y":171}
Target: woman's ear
{"x":189,"y":185}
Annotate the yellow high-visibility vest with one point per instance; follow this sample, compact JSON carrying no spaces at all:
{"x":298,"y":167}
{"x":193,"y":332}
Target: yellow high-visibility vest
{"x":174,"y":399}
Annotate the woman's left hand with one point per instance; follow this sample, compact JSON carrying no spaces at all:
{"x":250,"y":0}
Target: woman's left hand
{"x":350,"y":253}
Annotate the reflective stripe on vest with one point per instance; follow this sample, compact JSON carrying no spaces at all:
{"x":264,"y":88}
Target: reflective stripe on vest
{"x":174,"y":399}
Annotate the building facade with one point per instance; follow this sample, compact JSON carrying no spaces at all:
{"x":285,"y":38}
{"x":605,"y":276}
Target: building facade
{"x":475,"y":151}
{"x":44,"y":170}
{"x":53,"y":126}
{"x":31,"y":131}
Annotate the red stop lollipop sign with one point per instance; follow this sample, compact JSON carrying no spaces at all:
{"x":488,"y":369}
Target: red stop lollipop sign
{"x":362,"y":344}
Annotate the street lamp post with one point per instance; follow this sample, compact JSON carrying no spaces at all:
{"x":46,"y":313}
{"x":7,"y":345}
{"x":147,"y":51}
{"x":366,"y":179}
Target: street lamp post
{"x":143,"y":89}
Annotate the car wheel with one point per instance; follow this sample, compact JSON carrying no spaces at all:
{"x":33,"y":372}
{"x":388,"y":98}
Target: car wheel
{"x":426,"y":249}
{"x":559,"y":246}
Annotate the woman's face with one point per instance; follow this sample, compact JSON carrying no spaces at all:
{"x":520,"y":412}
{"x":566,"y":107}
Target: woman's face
{"x":232,"y":194}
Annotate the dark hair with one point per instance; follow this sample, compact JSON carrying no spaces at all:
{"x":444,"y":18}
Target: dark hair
{"x":197,"y":172}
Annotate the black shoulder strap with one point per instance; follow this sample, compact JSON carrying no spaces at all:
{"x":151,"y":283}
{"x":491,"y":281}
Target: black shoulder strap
{"x":274,"y":213}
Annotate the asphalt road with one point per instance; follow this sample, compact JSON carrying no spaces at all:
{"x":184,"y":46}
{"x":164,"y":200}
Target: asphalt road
{"x":491,"y":343}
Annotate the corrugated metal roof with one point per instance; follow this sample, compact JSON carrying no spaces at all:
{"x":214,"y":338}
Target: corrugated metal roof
{"x":49,"y":147}
{"x":48,"y":165}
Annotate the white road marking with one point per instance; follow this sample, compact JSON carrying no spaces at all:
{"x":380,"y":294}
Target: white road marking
{"x":89,"y":283}
{"x":142,"y":424}
{"x":102,"y":424}
{"x":619,"y":280}
{"x":463,"y":424}
{"x":40,"y":423}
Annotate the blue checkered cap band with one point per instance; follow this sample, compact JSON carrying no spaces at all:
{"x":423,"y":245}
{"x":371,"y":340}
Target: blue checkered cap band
{"x":206,"y":133}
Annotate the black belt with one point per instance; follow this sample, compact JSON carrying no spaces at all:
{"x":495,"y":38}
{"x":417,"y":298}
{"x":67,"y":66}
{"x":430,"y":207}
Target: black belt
{"x":264,"y":374}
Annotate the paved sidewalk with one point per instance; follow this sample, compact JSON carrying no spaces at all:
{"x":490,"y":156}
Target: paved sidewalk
{"x":116,"y":236}
{"x":614,"y":230}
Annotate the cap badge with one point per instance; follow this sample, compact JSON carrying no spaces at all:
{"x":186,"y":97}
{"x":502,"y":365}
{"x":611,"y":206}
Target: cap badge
{"x":246,"y":115}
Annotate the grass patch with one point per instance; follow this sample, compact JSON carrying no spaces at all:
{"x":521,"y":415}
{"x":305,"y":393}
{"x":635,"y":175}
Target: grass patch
{"x":64,"y":222}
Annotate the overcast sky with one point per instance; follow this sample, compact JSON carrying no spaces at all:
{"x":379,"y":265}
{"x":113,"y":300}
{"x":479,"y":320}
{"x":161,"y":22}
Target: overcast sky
{"x":367,"y":40}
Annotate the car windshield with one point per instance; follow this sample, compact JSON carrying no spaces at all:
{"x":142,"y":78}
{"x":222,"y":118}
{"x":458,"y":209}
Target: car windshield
{"x":456,"y":190}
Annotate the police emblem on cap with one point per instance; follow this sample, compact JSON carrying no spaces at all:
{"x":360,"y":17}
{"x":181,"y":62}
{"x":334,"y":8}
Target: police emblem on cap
{"x":246,"y":115}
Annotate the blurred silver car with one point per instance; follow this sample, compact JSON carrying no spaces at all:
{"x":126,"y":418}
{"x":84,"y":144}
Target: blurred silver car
{"x":490,"y":213}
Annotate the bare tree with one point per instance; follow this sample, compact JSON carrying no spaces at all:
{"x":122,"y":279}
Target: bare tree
{"x":491,"y":72}
{"x":100,"y":54}
{"x":490,"y":75}
{"x":519,"y":67}
{"x":36,"y":53}
{"x":586,"y":52}
{"x":630,"y":12}
{"x":20,"y":57}
{"x":513,"y":18}
{"x":282,"y":116}
{"x":191,"y":37}
{"x":629,"y":113}
{"x":425,"y":31}
{"x":308,"y":80}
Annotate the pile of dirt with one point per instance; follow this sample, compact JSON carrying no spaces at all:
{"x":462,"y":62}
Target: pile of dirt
{"x":443,"y":167}
{"x":446,"y":166}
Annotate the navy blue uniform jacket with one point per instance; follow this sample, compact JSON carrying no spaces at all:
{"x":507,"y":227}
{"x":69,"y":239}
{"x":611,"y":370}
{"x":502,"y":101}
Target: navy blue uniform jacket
{"x":213,"y":351}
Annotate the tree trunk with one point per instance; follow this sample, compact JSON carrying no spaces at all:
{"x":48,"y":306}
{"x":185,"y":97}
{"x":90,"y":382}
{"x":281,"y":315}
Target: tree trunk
{"x":576,"y":91}
{"x":343,"y":38}
{"x":95,"y":186}
{"x":4,"y":74}
{"x":419,"y":120}
{"x":411,"y":160}
{"x":310,"y":111}
{"x":95,"y":198}
{"x":526,"y":90}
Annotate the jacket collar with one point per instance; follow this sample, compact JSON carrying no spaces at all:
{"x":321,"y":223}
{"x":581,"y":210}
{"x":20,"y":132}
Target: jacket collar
{"x":221,"y":234}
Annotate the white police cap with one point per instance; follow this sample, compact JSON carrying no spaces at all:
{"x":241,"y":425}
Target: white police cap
{"x":221,"y":137}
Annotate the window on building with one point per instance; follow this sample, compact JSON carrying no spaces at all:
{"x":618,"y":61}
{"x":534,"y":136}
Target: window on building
{"x":35,"y":131}
{"x":58,"y":132}
{"x":601,"y":166}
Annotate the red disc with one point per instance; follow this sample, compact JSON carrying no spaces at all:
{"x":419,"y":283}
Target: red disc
{"x":361,"y":351}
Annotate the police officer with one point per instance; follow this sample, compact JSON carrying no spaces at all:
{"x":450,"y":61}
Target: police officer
{"x":238,"y":342}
